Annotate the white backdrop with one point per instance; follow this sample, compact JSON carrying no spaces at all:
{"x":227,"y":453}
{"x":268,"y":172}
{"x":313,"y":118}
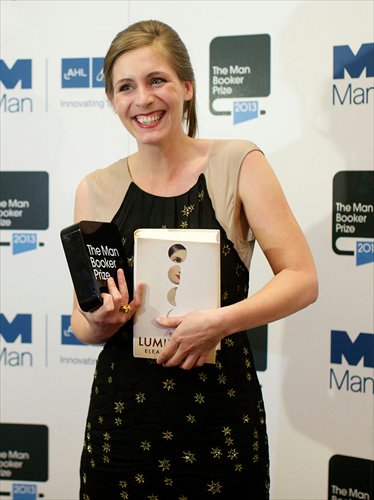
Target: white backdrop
{"x":316,"y":409}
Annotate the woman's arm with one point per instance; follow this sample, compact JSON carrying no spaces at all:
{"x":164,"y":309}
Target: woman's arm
{"x":293,"y":286}
{"x":98,"y":326}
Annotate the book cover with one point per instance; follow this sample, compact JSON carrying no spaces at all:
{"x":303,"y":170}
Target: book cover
{"x":93,"y":252}
{"x":180,"y":269}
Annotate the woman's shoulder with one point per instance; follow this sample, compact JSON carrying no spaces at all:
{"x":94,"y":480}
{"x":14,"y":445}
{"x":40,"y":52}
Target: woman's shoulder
{"x":113,"y":172}
{"x":106,"y":188}
{"x":232,"y":146}
{"x":229,"y":153}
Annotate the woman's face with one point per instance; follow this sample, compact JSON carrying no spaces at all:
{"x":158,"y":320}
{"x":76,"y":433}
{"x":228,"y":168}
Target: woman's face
{"x":179,"y":255}
{"x":148,"y":97}
{"x":174,"y":274}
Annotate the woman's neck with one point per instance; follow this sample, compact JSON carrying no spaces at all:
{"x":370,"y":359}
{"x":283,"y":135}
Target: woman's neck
{"x":165,"y":157}
{"x":169,"y":171}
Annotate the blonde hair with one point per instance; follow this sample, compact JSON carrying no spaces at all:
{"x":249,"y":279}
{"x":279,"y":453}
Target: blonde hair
{"x":168,"y":42}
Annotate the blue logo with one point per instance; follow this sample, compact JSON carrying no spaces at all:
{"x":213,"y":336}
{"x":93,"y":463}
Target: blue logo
{"x":24,"y":492}
{"x":353,"y":352}
{"x":364,"y":252}
{"x":23,"y":242}
{"x":67,"y":334}
{"x":19,"y":327}
{"x":21,"y":71}
{"x":244,"y":111}
{"x":82,"y":72}
{"x":75,"y":73}
{"x":97,"y":72}
{"x":354,"y":64}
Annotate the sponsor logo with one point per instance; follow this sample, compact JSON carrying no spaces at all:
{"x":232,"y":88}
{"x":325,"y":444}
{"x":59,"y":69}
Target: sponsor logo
{"x":19,"y":73}
{"x":82,"y":73}
{"x":350,"y":478}
{"x":358,"y":352}
{"x":75,"y":73}
{"x":18,"y":331}
{"x":239,"y":69}
{"x":353,"y":351}
{"x":16,"y":78}
{"x":353,"y":215}
{"x":24,"y":203}
{"x":349,"y":65}
{"x":16,"y":83}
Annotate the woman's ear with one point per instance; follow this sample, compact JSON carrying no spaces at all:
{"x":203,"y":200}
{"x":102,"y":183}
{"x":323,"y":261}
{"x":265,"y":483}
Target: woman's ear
{"x":188,"y":86}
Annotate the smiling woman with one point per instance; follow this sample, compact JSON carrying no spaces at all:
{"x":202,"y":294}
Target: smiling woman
{"x":180,"y":428}
{"x":148,"y":96}
{"x":171,"y":49}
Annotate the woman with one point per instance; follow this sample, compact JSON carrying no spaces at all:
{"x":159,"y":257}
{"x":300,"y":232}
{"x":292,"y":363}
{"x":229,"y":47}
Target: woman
{"x":178,"y":428}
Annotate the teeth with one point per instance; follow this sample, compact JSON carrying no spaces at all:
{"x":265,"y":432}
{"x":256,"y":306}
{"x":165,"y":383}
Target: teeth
{"x":149,"y":118}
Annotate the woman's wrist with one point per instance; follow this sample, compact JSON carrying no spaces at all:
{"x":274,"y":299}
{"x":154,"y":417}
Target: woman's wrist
{"x":223,"y":321}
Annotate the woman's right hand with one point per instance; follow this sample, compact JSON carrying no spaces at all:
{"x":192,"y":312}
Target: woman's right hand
{"x":98,"y":326}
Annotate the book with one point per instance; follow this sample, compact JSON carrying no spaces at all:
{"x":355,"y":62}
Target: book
{"x":180,"y":270}
{"x":93,"y":252}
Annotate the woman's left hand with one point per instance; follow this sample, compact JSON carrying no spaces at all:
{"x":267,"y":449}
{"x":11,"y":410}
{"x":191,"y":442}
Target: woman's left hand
{"x":196,"y":334}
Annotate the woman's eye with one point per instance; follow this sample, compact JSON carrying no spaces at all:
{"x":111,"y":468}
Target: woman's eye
{"x":125,"y":87}
{"x":156,"y":81}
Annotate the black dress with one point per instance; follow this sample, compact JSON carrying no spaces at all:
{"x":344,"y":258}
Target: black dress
{"x":165,"y":433}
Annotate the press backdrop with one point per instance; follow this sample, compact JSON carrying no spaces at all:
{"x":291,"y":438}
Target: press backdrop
{"x":296,"y":77}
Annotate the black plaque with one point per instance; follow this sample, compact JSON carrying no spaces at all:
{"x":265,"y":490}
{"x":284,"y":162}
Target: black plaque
{"x":94,"y":252}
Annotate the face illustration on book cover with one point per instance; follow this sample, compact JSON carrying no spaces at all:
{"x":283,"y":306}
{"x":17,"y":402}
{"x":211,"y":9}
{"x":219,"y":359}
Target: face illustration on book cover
{"x":174,"y":274}
{"x":177,"y":253}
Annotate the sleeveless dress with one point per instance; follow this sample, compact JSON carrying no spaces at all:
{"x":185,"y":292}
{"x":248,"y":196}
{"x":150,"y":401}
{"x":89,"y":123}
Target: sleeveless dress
{"x":166,"y":433}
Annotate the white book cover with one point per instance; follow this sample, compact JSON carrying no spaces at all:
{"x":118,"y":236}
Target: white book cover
{"x":180,"y":270}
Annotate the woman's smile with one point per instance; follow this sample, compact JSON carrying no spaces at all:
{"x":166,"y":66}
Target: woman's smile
{"x":149,"y":120}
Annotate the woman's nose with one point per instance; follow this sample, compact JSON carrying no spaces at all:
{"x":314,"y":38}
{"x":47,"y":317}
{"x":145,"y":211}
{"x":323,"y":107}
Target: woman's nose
{"x":143,"y":96}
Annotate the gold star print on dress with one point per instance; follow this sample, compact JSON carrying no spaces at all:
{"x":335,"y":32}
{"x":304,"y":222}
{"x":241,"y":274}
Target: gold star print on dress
{"x":168,"y":384}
